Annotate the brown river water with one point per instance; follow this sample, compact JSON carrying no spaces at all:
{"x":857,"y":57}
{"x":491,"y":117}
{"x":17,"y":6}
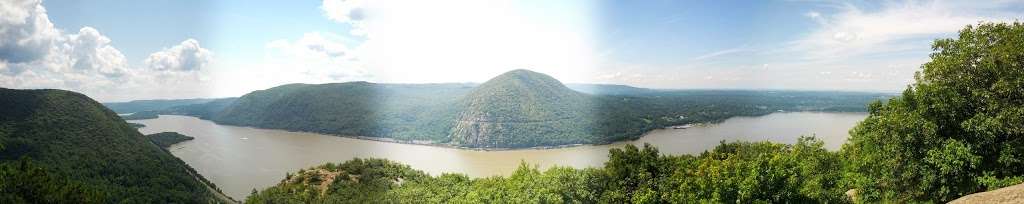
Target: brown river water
{"x":239,"y":159}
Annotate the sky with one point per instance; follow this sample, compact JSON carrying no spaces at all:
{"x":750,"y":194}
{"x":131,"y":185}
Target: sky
{"x":166,"y":49}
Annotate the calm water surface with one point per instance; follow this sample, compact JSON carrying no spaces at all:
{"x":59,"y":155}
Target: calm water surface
{"x":238,"y":159}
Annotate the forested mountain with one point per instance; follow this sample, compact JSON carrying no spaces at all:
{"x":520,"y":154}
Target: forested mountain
{"x":959,"y":129}
{"x":151,"y":105}
{"x":149,"y":109}
{"x":522,"y":108}
{"x":63,"y":147}
{"x":517,"y":109}
{"x":201,"y":110}
{"x":400,"y":111}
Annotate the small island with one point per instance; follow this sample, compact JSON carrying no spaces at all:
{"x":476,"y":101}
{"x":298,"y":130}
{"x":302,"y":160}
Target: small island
{"x":136,"y":125}
{"x":142,"y":115}
{"x":166,"y":139}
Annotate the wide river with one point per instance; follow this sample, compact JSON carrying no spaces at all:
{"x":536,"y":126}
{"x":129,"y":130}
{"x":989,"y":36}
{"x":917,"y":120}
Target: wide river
{"x":239,"y":159}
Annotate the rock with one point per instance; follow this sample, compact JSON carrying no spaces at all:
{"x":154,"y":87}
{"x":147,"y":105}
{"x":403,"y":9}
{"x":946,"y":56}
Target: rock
{"x":1011,"y":194}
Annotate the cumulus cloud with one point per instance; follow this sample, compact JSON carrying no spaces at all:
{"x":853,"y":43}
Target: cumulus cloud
{"x":90,"y":51}
{"x":347,"y":11}
{"x":30,"y":43}
{"x":35,"y":54}
{"x":26,"y":33}
{"x":187,"y":56}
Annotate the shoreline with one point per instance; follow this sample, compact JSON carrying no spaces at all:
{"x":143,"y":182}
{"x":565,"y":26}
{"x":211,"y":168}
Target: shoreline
{"x":489,"y":149}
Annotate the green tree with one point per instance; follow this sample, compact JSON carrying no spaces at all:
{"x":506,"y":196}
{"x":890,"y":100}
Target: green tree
{"x":962,"y":121}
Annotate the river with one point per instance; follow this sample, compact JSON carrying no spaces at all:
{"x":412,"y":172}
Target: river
{"x":239,"y":159}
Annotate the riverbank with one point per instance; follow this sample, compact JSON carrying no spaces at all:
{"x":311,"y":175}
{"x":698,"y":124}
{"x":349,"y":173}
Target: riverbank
{"x":545,"y":147}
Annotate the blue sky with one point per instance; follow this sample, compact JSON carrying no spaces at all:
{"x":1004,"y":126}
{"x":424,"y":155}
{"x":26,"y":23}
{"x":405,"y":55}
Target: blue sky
{"x":124,"y":50}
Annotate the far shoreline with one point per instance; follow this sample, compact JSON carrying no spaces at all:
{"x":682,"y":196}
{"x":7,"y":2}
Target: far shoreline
{"x":492,"y":149}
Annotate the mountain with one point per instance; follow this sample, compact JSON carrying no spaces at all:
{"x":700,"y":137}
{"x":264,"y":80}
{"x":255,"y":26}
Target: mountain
{"x":398,"y":111}
{"x":151,"y":105}
{"x":522,"y":108}
{"x":201,"y":110}
{"x":610,"y":89}
{"x":66,"y":147}
{"x":517,"y":109}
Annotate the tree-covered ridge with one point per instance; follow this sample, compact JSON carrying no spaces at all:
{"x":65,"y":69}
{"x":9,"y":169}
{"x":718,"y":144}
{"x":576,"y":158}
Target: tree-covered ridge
{"x":518,"y":109}
{"x":64,"y":138}
{"x":399,"y":111}
{"x":151,"y":105}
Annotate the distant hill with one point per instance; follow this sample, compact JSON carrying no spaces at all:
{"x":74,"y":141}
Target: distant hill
{"x":611,"y":89}
{"x":151,"y":105}
{"x":201,"y":110}
{"x":73,"y":149}
{"x":399,"y":111}
{"x":520,"y":108}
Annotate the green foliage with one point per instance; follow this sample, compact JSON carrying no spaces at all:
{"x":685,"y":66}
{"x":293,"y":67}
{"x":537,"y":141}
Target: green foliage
{"x":25,"y":182}
{"x":166,"y":139}
{"x":137,"y":125}
{"x":734,"y":172}
{"x":83,"y":152}
{"x":958,"y":130}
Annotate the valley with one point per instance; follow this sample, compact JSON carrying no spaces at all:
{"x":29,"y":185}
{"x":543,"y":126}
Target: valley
{"x":518,"y":109}
{"x":239,"y":159}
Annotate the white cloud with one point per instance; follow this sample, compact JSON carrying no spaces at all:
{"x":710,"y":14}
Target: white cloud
{"x":894,"y":27}
{"x":91,"y":51}
{"x":347,"y":11}
{"x":721,"y":53}
{"x":35,"y":54}
{"x":315,"y":58}
{"x":187,"y":56}
{"x":26,"y":33}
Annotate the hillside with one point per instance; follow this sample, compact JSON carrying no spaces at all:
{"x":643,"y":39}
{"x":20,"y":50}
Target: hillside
{"x":517,"y":109}
{"x":522,"y":108}
{"x":404,"y":112}
{"x":75,"y":149}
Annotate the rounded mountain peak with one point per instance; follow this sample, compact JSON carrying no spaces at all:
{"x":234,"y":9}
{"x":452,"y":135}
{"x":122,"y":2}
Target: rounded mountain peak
{"x":517,"y":104}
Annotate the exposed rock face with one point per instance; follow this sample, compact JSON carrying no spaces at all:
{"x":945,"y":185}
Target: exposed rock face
{"x":1012,"y":194}
{"x":520,"y":108}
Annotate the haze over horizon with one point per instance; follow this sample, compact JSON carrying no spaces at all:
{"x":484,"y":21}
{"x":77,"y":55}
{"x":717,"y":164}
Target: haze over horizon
{"x":120,"y":51}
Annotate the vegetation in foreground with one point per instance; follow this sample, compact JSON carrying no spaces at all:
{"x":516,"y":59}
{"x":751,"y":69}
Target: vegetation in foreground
{"x":735,"y":172}
{"x":958,"y":130}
